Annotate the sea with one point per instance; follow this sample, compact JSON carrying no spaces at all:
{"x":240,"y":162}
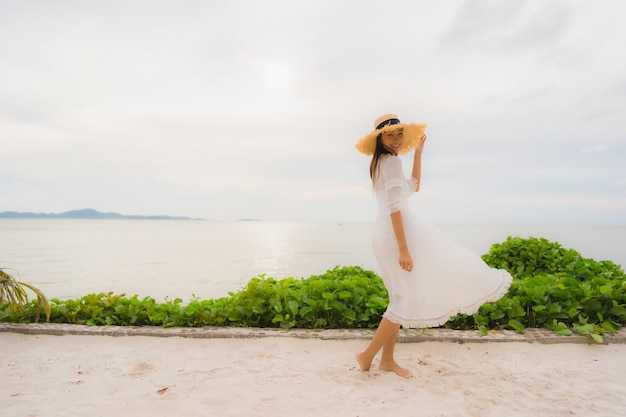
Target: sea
{"x":169,"y":259}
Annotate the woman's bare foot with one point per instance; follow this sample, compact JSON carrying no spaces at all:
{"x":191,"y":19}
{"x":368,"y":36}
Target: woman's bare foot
{"x":394,"y":367}
{"x":364,"y":365}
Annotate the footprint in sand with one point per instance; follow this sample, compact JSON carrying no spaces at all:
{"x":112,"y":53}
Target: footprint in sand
{"x":141,"y":368}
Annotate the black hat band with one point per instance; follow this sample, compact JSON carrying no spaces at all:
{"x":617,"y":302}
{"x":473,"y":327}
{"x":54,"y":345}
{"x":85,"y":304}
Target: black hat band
{"x":388,"y":123}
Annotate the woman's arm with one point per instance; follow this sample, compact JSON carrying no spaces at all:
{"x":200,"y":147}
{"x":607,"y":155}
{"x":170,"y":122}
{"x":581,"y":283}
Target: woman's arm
{"x":417,"y":163}
{"x":393,"y":177}
{"x":405,"y":260}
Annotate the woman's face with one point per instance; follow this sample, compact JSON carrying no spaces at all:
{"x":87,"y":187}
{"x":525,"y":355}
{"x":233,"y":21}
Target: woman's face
{"x":393,"y":140}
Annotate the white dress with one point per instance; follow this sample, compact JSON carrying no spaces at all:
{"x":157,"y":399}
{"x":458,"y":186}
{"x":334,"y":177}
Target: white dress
{"x":446,"y":278}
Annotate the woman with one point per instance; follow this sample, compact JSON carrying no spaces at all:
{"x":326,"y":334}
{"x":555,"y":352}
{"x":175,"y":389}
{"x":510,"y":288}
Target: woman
{"x":429,"y":277}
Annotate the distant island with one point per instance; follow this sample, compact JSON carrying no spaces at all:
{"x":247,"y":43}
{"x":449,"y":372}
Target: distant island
{"x":85,"y":214}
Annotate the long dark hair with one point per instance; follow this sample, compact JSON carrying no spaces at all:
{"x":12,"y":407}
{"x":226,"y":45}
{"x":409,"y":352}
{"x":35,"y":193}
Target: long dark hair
{"x":378,"y":152}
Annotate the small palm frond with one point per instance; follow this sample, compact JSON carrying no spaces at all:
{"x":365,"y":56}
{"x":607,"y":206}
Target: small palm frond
{"x":14,"y":292}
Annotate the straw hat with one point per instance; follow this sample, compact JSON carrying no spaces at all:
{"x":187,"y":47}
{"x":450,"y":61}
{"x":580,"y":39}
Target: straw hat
{"x":412,"y":134}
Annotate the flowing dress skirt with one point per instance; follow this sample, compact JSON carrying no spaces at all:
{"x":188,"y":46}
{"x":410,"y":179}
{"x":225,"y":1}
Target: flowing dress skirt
{"x":446,"y":278}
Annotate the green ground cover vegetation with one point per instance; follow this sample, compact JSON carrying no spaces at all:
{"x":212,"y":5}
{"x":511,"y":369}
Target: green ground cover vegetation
{"x":553,"y":287}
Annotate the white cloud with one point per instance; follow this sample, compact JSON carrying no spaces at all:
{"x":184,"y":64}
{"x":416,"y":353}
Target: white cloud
{"x":231,"y":109}
{"x":597,"y":148}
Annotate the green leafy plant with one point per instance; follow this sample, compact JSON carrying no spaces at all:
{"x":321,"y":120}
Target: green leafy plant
{"x":344,"y":297}
{"x":553,"y":287}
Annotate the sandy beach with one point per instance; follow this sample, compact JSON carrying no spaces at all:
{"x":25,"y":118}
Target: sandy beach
{"x":79,"y":375}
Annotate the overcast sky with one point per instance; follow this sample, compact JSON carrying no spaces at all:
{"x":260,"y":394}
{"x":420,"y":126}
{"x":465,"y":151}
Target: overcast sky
{"x":251,"y":109}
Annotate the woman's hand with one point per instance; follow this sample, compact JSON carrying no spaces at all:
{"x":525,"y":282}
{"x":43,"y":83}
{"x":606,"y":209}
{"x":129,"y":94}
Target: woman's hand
{"x":405,"y":260}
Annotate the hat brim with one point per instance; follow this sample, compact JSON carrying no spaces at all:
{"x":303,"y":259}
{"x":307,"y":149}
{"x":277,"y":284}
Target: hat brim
{"x":412,"y":134}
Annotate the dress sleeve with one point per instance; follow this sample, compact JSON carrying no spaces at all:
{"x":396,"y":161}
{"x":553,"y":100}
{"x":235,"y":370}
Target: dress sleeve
{"x":393,"y":177}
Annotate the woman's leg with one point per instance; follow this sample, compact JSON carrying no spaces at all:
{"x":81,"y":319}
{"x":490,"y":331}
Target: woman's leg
{"x":389,"y":347}
{"x":386,"y":329}
{"x":385,"y":338}
{"x":387,"y":361}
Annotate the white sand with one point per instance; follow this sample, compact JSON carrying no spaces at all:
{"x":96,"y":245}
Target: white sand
{"x":42,"y":375}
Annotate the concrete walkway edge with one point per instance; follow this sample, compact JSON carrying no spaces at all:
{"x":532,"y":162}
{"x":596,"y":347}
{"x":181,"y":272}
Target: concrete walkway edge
{"x":406,"y":336}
